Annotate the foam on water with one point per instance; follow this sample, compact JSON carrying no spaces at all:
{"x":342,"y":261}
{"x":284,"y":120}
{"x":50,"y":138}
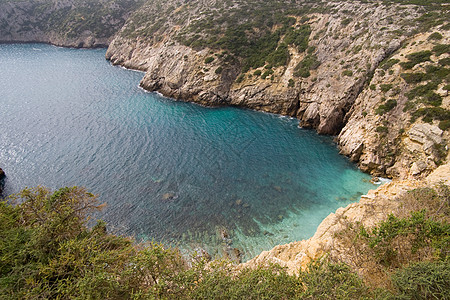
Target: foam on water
{"x":169,"y":171}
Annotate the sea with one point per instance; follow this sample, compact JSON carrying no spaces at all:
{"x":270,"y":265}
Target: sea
{"x":188,"y":176}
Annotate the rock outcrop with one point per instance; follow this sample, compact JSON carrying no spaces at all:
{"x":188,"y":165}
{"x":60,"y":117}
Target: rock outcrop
{"x":69,"y":23}
{"x":2,"y":178}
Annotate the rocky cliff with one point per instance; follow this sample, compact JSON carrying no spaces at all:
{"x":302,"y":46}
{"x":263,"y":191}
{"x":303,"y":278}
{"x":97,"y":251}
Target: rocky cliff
{"x":333,"y":66}
{"x":71,"y":23}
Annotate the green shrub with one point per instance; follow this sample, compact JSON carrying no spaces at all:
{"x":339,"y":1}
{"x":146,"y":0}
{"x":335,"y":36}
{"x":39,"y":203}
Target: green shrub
{"x":440,"y":49}
{"x":346,"y":21}
{"x":298,"y":37}
{"x":389,"y":63}
{"x":325,"y":280}
{"x":385,"y":87}
{"x":432,"y":98}
{"x":445,"y":61}
{"x":388,"y":106}
{"x":209,"y":60}
{"x":257,"y":73}
{"x":416,"y":58}
{"x":429,"y":114}
{"x":423,"y":280}
{"x":435,"y":36}
{"x":348,"y":73}
{"x":444,"y":124}
{"x":421,"y":90}
{"x":373,"y":87}
{"x":263,"y":282}
{"x":382,"y":129}
{"x":308,"y":63}
{"x":240,"y":78}
{"x":266,"y":73}
{"x":218,"y":70}
{"x":291,"y":83}
{"x":414,"y":77}
{"x":280,"y":56}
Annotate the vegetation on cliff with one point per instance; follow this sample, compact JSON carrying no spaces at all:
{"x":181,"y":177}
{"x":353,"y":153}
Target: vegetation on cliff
{"x":61,"y":22}
{"x":48,"y":251}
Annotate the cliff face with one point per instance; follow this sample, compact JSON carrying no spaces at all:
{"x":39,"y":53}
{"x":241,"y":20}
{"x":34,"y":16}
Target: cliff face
{"x":397,"y":125}
{"x":71,"y":23}
{"x":327,"y":84}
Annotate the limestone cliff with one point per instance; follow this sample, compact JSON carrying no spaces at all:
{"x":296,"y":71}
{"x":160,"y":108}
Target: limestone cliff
{"x":71,"y":23}
{"x":397,"y":125}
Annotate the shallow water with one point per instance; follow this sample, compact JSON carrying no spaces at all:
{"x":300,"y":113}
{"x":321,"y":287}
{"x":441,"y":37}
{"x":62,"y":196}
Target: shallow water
{"x":169,"y":171}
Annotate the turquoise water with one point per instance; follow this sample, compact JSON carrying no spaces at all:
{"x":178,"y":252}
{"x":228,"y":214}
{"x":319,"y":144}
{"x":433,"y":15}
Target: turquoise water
{"x":169,"y":171}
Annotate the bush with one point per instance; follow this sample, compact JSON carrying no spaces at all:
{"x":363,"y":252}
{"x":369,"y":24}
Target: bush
{"x":263,"y":282}
{"x":429,"y":114}
{"x":209,"y":60}
{"x":348,"y":73}
{"x":445,"y":61}
{"x":414,"y":77}
{"x":308,"y":63}
{"x":416,"y":58}
{"x":444,"y":124}
{"x":257,"y":73}
{"x":325,"y":280}
{"x":385,"y":87}
{"x":435,"y":36}
{"x":440,"y":49}
{"x":388,"y":106}
{"x":48,"y":252}
{"x":218,"y":70}
{"x":291,"y":83}
{"x":240,"y":78}
{"x":431,"y":98}
{"x":382,"y":129}
{"x":421,"y":90}
{"x":423,"y":280}
{"x":298,"y":37}
{"x":346,"y":21}
{"x":389,"y":63}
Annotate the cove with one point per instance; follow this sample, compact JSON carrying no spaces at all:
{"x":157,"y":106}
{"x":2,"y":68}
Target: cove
{"x":169,"y":171}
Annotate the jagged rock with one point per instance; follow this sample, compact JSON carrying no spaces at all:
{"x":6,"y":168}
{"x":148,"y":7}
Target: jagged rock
{"x":2,"y":177}
{"x":418,"y":167}
{"x":169,"y":196}
{"x":425,"y":134}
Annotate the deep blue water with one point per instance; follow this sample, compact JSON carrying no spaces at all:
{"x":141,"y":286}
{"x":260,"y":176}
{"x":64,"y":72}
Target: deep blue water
{"x":170,"y":171}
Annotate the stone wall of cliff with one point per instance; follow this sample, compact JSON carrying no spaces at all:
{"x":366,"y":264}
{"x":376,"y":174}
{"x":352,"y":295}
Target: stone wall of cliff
{"x":70,"y":23}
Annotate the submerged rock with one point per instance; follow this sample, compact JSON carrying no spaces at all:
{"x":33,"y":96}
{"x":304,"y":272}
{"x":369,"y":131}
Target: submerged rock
{"x":2,"y":176}
{"x":169,"y":196}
